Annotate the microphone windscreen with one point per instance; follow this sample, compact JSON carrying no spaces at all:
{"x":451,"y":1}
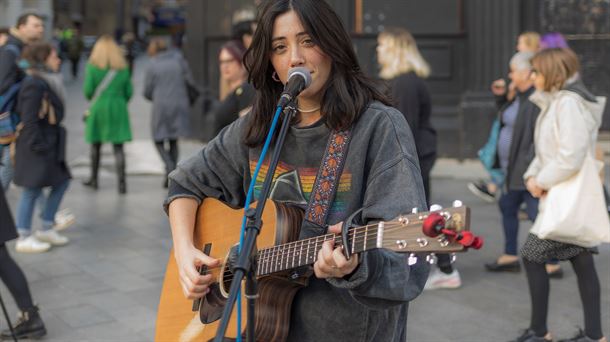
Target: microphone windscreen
{"x":300,"y":71}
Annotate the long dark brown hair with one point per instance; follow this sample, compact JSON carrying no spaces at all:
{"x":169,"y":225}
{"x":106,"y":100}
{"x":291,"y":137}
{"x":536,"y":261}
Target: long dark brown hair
{"x":347,"y":92}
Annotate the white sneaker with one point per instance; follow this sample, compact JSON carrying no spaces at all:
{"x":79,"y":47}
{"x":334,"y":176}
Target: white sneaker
{"x":51,"y":236}
{"x":63,"y":219}
{"x":31,"y":244}
{"x":440,"y":280}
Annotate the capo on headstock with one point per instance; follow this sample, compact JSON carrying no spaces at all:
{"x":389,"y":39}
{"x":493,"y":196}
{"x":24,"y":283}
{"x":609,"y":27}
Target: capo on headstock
{"x":434,"y":225}
{"x":348,"y":224}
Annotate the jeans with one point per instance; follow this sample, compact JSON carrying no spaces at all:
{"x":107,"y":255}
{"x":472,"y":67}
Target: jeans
{"x":509,"y":203}
{"x":6,"y":167}
{"x":25,"y":209}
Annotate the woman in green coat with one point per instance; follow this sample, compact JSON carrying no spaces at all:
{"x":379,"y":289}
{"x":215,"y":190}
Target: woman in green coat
{"x":108,"y":87}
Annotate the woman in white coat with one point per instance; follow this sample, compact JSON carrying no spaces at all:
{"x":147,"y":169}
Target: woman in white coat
{"x":566,"y":130}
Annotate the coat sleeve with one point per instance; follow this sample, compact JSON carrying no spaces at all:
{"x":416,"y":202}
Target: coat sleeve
{"x":406,"y":97}
{"x":149,"y":84}
{"x":188,"y":75}
{"x":384,"y":277}
{"x":128,"y":87}
{"x":220,"y":170}
{"x":8,"y":69}
{"x":225,"y":112}
{"x":30,"y":99}
{"x":573,"y":143}
{"x":533,"y":169}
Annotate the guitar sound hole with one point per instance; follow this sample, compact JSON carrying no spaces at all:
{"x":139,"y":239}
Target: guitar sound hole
{"x":212,"y":306}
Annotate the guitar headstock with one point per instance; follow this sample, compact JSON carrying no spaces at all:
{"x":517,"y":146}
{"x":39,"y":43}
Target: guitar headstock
{"x":437,"y":231}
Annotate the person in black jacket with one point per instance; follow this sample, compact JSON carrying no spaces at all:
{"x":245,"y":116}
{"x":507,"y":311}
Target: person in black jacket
{"x":40,"y":147}
{"x":29,"y":325}
{"x":236,"y":94}
{"x":29,"y":28}
{"x":404,"y":68}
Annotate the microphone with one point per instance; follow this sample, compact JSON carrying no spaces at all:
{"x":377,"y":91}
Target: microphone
{"x":299,"y":79}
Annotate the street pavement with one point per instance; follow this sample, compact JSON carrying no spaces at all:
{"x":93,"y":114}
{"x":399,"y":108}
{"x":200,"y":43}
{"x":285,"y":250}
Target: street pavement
{"x":105,"y":284}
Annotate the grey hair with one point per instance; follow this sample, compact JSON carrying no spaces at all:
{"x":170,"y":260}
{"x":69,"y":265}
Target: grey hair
{"x":522,"y":60}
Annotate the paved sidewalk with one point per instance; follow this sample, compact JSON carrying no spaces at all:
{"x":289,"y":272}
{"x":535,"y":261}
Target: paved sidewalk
{"x":105,"y":284}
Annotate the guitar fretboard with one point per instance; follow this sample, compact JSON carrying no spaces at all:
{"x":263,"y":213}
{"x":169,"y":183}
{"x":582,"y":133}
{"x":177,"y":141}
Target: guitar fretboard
{"x":304,"y":252}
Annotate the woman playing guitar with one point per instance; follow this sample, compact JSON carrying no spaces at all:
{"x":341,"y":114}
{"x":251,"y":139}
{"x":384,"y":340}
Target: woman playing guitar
{"x":366,"y":297}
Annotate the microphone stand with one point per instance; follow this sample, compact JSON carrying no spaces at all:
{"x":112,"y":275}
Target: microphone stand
{"x":246,"y":263}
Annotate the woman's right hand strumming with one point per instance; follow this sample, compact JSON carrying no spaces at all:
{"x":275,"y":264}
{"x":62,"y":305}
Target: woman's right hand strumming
{"x":188,"y":259}
{"x":182,"y":213}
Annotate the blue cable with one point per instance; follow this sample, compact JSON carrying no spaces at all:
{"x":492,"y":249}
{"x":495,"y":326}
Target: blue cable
{"x":249,"y":200}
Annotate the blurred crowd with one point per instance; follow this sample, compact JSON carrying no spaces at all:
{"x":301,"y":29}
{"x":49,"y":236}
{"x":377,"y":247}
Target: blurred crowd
{"x":544,"y":110}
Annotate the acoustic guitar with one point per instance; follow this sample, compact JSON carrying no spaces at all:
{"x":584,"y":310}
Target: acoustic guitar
{"x":282,"y":263}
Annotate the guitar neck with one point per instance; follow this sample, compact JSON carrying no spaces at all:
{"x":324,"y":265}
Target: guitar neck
{"x":305,"y":252}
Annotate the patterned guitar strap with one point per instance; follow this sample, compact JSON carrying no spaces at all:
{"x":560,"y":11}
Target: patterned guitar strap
{"x":327,"y":179}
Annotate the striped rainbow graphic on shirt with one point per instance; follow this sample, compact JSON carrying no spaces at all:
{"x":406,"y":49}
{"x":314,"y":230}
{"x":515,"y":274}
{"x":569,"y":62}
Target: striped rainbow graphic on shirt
{"x":307,"y":176}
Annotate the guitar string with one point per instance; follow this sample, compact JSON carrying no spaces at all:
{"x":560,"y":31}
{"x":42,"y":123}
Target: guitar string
{"x":281,"y":262}
{"x":314,"y":243}
{"x":288,"y":249}
{"x":358,"y":235}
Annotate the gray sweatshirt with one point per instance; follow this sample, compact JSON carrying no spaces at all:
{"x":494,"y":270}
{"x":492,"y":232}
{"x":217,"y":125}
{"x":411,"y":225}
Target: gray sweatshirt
{"x":381,"y":175}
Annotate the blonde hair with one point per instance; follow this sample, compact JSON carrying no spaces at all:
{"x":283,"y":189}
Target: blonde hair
{"x":557,"y":65}
{"x":402,"y":55}
{"x":531,"y":39}
{"x":107,"y":54}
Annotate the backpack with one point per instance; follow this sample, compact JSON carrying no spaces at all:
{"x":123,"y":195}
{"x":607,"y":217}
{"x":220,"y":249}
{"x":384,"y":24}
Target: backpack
{"x":9,"y":119}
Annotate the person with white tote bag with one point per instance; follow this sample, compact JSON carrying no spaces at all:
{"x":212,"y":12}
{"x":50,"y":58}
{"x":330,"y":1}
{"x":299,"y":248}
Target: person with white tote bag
{"x":572,"y":220}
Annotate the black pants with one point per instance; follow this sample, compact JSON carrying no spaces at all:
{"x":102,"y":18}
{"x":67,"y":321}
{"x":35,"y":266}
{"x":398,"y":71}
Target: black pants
{"x":168,"y":154}
{"x":588,"y":286}
{"x":74,"y":65}
{"x":12,"y":276}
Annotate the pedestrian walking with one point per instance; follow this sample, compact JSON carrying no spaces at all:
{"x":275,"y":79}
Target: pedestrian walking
{"x":515,"y":151}
{"x":40,"y":148}
{"x":29,"y":28}
{"x":405,"y":70}
{"x":504,"y":92}
{"x":165,"y":85}
{"x":74,"y":50}
{"x":108,"y":87}
{"x":565,"y":134}
{"x":128,"y":44}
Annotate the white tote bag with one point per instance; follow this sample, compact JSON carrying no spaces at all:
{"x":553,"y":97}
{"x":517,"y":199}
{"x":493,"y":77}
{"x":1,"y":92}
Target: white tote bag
{"x":574,"y":211}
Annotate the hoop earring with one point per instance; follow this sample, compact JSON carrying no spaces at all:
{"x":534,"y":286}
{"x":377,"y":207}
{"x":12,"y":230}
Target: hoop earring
{"x":275,"y":77}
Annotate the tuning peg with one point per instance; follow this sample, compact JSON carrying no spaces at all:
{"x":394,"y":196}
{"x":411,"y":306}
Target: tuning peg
{"x":457,"y":203}
{"x":431,"y":259}
{"x":412,"y":260}
{"x":477,"y":243}
{"x":414,"y":211}
{"x":436,"y":207}
{"x":433,"y":225}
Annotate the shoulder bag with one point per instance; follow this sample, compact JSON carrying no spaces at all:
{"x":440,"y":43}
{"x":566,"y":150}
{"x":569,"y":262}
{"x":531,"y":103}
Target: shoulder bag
{"x":99,"y":90}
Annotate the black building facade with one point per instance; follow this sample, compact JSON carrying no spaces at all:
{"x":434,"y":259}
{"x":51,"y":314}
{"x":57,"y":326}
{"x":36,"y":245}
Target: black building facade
{"x":468,"y":44}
